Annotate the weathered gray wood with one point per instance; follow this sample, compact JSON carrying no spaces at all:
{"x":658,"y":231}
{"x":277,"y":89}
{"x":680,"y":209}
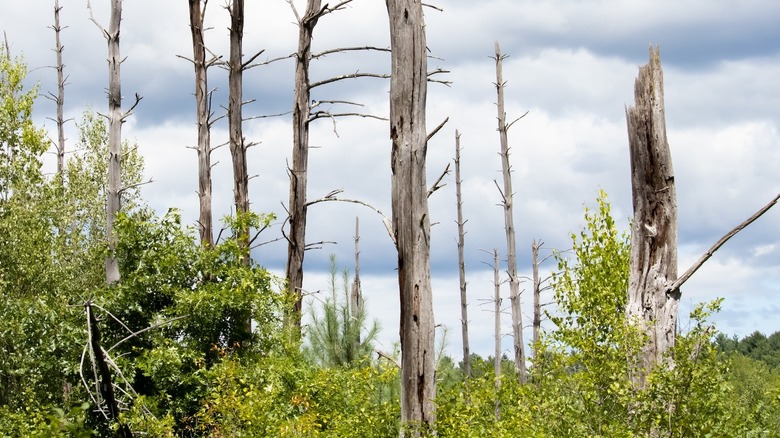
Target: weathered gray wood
{"x":411,"y":222}
{"x":115,"y":120}
{"x":60,"y":98}
{"x":203,"y":113}
{"x":508,"y":205}
{"x":497,"y":332}
{"x":537,"y":323}
{"x":464,"y":316}
{"x":653,"y":258}
{"x":298,"y":207}
{"x":235,"y":124}
{"x":356,"y":292}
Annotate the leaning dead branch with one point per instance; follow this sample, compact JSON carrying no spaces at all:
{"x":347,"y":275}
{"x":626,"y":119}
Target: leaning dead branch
{"x":683,"y":278}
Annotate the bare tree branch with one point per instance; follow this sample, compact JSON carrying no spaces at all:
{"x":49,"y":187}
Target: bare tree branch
{"x":348,"y":76}
{"x":683,"y":278}
{"x":436,"y":185}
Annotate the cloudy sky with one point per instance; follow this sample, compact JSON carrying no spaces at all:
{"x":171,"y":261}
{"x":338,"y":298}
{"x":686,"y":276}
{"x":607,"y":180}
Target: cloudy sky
{"x":571,"y":66}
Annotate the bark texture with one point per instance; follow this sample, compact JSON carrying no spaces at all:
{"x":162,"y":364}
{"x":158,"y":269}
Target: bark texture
{"x":411,"y":222}
{"x":296,"y":239}
{"x":202,"y":111}
{"x":464,"y":317}
{"x":509,"y":224}
{"x":653,"y":258}
{"x":235,"y":125}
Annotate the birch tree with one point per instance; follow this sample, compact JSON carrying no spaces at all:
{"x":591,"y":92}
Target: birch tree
{"x":116,"y":118}
{"x":411,"y":222}
{"x":507,"y":203}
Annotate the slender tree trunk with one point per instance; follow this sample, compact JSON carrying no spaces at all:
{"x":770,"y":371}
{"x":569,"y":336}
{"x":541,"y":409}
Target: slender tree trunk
{"x":653,"y":258}
{"x":537,"y":324}
{"x":356,"y":294}
{"x":300,"y":159}
{"x":464,"y":319}
{"x":235,"y":125}
{"x":202,"y":108}
{"x":411,"y":222}
{"x":497,"y":331}
{"x":60,"y":99}
{"x":115,"y":119}
{"x":507,"y":202}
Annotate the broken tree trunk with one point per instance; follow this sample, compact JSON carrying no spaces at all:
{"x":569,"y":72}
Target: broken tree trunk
{"x":296,"y":240}
{"x":653,"y":258}
{"x":235,"y":126}
{"x":203,"y":113}
{"x":509,"y":222}
{"x":411,"y":222}
{"x":464,"y":320}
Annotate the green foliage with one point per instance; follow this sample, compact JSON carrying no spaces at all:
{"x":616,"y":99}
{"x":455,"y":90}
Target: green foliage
{"x":337,"y":335}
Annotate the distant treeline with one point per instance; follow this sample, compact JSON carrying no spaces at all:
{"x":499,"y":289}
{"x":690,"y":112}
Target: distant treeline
{"x":756,"y":346}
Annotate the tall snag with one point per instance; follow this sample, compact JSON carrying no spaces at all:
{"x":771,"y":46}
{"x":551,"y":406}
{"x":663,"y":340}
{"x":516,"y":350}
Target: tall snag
{"x":411,"y":222}
{"x":203,"y":114}
{"x":507,"y":196}
{"x":464,"y":317}
{"x":59,"y":99}
{"x":300,"y":158}
{"x":653,"y":259}
{"x":238,"y":147}
{"x":115,"y":119}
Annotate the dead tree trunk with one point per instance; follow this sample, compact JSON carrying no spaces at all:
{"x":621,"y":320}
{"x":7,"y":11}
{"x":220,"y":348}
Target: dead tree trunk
{"x":356,"y":294}
{"x":653,"y":258}
{"x":537,"y":323}
{"x":411,"y":222}
{"x":203,"y":114}
{"x":497,"y":331}
{"x":507,"y":203}
{"x":60,"y":98}
{"x":464,"y":320}
{"x":115,"y":119}
{"x":238,"y":147}
{"x":300,"y":159}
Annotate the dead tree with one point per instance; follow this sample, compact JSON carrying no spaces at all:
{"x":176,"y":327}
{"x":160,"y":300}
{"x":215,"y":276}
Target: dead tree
{"x":538,"y":289}
{"x":356,"y":293}
{"x":464,"y":320}
{"x":411,"y":222}
{"x":304,"y":112}
{"x":59,"y":99}
{"x":653,"y":258}
{"x":296,"y":246}
{"x":115,"y":120}
{"x":497,"y":331}
{"x":238,"y":147}
{"x":507,"y":203}
{"x":203,"y":114}
{"x":653,"y":285}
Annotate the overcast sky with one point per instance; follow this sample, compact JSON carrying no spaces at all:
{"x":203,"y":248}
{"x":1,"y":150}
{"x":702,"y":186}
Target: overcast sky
{"x":571,"y":66}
